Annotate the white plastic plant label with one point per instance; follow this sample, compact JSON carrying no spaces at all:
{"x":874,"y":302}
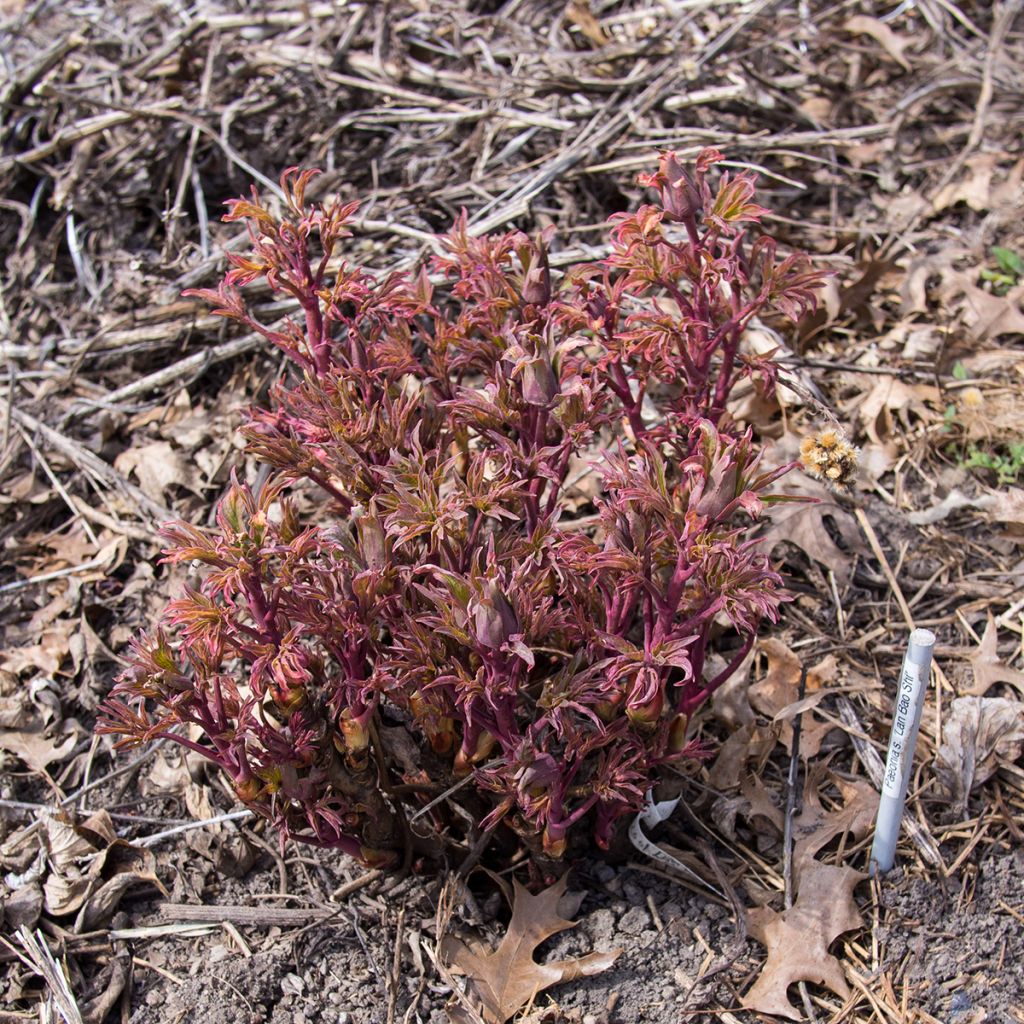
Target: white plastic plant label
{"x":654,"y":814}
{"x":897,"y":766}
{"x":906,"y":720}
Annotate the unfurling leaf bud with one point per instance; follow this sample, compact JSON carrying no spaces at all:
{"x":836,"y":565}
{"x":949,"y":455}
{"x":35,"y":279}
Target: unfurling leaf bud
{"x":647,"y":699}
{"x":442,"y":738}
{"x":537,"y":277}
{"x":439,"y":729}
{"x":464,"y":760}
{"x":232,"y":507}
{"x":249,"y":789}
{"x":679,"y":195}
{"x":377,"y":858}
{"x":372,"y":541}
{"x":555,"y":842}
{"x":719,"y":489}
{"x":607,"y":710}
{"x":543,"y":774}
{"x":494,"y":619}
{"x":540,"y":386}
{"x":356,"y":739}
{"x":677,"y":733}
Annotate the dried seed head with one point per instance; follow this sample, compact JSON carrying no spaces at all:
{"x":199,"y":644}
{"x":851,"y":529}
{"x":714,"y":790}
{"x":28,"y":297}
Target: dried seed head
{"x":972,"y":399}
{"x":830,"y":457}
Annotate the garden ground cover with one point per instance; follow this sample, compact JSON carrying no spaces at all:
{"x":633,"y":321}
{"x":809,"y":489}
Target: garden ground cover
{"x":888,"y":142}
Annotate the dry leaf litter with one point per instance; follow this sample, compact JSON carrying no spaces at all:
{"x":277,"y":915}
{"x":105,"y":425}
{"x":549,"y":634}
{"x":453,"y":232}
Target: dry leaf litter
{"x":888,"y":136}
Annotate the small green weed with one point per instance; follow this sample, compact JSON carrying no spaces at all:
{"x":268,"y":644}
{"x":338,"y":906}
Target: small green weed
{"x":1008,"y":271}
{"x":979,"y":443}
{"x":1006,"y":461}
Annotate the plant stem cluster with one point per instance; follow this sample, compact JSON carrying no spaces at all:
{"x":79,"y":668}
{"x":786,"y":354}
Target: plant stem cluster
{"x":447,"y":613}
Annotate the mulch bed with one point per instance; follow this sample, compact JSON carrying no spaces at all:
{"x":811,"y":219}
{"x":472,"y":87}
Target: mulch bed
{"x":888,"y":142}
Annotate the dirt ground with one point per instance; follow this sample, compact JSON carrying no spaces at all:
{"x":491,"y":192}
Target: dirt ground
{"x":888,"y":139}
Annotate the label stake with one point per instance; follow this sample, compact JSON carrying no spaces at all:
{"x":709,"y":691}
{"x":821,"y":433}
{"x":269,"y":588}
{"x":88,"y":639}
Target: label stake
{"x":902,"y":741}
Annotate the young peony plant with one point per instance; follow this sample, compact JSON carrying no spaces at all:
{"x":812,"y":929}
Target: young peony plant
{"x":446,"y":646}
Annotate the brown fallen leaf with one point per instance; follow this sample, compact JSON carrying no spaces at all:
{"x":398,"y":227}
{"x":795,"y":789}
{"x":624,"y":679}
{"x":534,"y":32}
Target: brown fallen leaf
{"x":888,"y":399}
{"x":989,"y":316}
{"x":759,"y":804}
{"x":798,"y":938}
{"x":978,"y":735}
{"x":993,"y":361}
{"x":44,"y":657}
{"x":853,"y":297}
{"x":973,"y":187}
{"x":36,"y":749}
{"x":1008,"y":511}
{"x":579,"y":13}
{"x":30,"y":726}
{"x":223,"y":845}
{"x":90,"y":868}
{"x":552,"y":1015}
{"x":1003,"y":509}
{"x":915,"y":289}
{"x":776,"y":694}
{"x":503,"y":981}
{"x":992,"y":415}
{"x":988,"y":669}
{"x":729,"y":702}
{"x":983,"y":314}
{"x":802,"y":524}
{"x":862,"y":24}
{"x":815,"y":827}
{"x":158,"y":467}
{"x":21,"y":907}
{"x":178,"y":421}
{"x":748,"y":743}
{"x":108,"y":986}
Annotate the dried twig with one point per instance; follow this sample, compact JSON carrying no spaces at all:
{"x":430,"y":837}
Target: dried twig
{"x":35,"y":954}
{"x":92,"y":464}
{"x":245,"y":917}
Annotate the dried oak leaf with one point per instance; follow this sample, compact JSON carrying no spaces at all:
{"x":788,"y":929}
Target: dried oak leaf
{"x":759,"y":804}
{"x":105,"y":988}
{"x":1008,"y":511}
{"x":798,"y":939}
{"x":985,"y":316}
{"x":975,"y":186}
{"x":30,"y":725}
{"x":729,"y":702}
{"x":748,"y":743}
{"x":988,"y":669}
{"x":815,"y":827}
{"x":979,"y":734}
{"x":888,"y":400}
{"x":158,"y":467}
{"x":803,"y":524}
{"x":21,"y":907}
{"x":503,"y":981}
{"x":777,"y":695}
{"x":894,"y":45}
{"x":990,"y":316}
